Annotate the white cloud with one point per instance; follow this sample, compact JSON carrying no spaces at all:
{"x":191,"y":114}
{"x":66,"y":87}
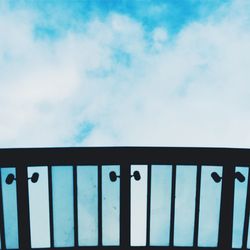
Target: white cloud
{"x":192,"y":91}
{"x":160,"y":37}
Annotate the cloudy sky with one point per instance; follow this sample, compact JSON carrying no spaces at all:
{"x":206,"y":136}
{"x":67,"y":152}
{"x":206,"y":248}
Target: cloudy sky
{"x":125,"y":73}
{"x":149,"y":73}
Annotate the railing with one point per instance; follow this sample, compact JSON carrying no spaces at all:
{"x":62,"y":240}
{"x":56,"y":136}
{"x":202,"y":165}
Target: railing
{"x":125,"y":168}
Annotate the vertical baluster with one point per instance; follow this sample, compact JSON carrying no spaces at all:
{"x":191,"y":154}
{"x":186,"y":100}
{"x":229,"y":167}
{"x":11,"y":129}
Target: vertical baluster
{"x":197,"y":205}
{"x":75,"y":205}
{"x":148,"y":206}
{"x":247,"y":213}
{"x":171,"y":239}
{"x":23,"y":207}
{"x":240,"y":197}
{"x":226,"y":212}
{"x":2,"y":231}
{"x":99,"y":205}
{"x":125,"y":206}
{"x":51,"y":206}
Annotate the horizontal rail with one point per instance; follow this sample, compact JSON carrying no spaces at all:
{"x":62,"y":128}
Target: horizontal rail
{"x":114,"y":155}
{"x":131,"y":248}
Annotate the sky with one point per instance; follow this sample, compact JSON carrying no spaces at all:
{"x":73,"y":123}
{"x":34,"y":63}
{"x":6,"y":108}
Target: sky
{"x":133,"y":73}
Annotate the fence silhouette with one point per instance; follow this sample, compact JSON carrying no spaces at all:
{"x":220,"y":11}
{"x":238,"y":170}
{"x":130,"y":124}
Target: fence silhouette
{"x":123,"y":167}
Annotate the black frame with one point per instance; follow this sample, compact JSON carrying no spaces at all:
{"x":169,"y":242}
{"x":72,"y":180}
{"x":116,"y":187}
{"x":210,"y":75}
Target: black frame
{"x":126,"y":156}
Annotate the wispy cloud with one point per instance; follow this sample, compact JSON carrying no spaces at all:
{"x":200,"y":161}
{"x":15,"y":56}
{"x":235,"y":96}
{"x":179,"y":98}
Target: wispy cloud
{"x":111,"y":79}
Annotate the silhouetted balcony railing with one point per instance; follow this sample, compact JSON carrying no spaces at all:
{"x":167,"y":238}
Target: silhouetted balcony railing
{"x":125,"y":197}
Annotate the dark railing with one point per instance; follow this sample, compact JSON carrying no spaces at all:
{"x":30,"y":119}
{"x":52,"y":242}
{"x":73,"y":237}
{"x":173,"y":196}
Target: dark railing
{"x":229,"y":159}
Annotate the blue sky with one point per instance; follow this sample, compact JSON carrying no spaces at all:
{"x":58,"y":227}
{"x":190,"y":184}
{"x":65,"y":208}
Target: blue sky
{"x":173,"y":15}
{"x":88,"y":73}
{"x":133,"y":73}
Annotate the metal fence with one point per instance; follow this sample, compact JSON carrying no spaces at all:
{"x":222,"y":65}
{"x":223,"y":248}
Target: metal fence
{"x":124,"y":168}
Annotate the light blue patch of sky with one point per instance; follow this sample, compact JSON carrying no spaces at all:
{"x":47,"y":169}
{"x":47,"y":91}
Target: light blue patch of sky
{"x":10,"y":209}
{"x":122,"y":57}
{"x":110,"y":207}
{"x":210,"y":198}
{"x":100,"y":73}
{"x":160,"y":207}
{"x":240,"y":194}
{"x":87,"y":186}
{"x":138,"y":206}
{"x":42,"y":32}
{"x":83,"y":131}
{"x":184,"y":205}
{"x":63,"y":214}
{"x":39,"y":208}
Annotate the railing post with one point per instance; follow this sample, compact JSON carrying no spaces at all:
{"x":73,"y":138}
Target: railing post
{"x":23,"y":207}
{"x":2,"y":229}
{"x":125,"y":191}
{"x":227,"y":203}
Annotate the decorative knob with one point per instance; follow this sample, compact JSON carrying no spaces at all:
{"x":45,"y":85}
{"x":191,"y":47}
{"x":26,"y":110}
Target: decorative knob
{"x":34,"y":178}
{"x":9,"y":179}
{"x":239,"y":176}
{"x":216,"y":177}
{"x":136,"y":175}
{"x":113,"y":177}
